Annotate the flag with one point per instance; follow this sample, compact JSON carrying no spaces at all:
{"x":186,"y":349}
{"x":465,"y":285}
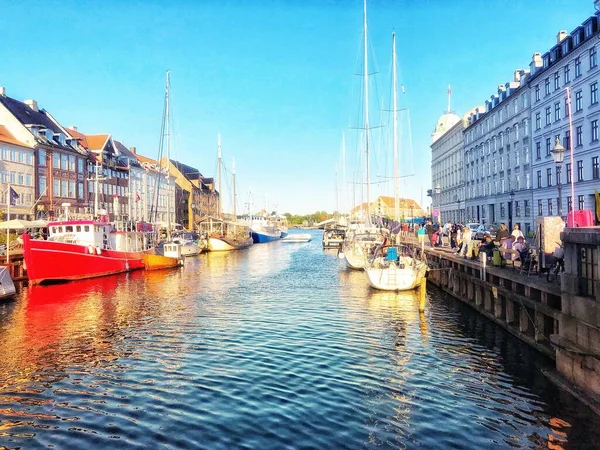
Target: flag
{"x":13,"y":197}
{"x":137,"y":197}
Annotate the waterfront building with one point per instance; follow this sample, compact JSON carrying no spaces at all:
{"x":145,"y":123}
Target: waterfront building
{"x":135,"y":200}
{"x":384,"y":206}
{"x":159,"y":188}
{"x":571,"y":64}
{"x":17,"y":169}
{"x":195,"y":195}
{"x":497,"y":157}
{"x":447,"y":168}
{"x":59,"y":162}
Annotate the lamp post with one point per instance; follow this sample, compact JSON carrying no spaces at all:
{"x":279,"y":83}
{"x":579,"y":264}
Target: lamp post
{"x":438,"y":189}
{"x":510,"y":210}
{"x":558,"y":153}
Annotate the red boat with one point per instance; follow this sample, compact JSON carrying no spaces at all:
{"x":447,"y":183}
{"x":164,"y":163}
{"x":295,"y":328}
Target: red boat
{"x":80,"y":249}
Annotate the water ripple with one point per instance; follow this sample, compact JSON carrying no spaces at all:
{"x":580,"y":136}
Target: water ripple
{"x":276,"y":347}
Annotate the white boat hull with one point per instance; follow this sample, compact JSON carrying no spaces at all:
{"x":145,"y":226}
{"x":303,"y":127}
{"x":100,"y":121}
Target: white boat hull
{"x":355,"y":256}
{"x":190,"y":249}
{"x":297,"y":238}
{"x":396,"y":277}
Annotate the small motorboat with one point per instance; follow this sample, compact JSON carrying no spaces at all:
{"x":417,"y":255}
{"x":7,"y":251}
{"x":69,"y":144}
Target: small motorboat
{"x":7,"y":287}
{"x":297,"y":238}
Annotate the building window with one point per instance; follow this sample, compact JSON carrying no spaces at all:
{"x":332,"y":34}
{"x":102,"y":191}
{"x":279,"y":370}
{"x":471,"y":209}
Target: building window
{"x":578,"y":101}
{"x":80,"y":191}
{"x":577,"y":67}
{"x":550,"y":207}
{"x":517,"y":209}
{"x":41,"y":185}
{"x":579,"y":170}
{"x":547,"y":86}
{"x":72,"y":188}
{"x":64,"y":188}
{"x":538,"y":150}
{"x":28,"y":179}
{"x":593,"y":58}
{"x":538,"y":121}
{"x":595,"y":168}
{"x":72,"y":163}
{"x":579,"y":135}
{"x":557,"y":111}
{"x":581,"y":202}
{"x":567,"y":109}
{"x":527,"y":181}
{"x":537,"y":92}
{"x":548,"y":115}
{"x":548,"y":146}
{"x":56,"y":160}
{"x":567,"y":73}
{"x":42,"y":158}
{"x":502,"y":210}
{"x":594,"y":124}
{"x":569,"y":203}
{"x":549,"y":177}
{"x":540,"y":208}
{"x":56,"y":185}
{"x":556,"y":81}
{"x":80,"y":163}
{"x":527,"y":208}
{"x":568,"y":170}
{"x":594,"y":93}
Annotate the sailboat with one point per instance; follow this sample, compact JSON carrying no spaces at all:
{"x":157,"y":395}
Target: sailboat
{"x":170,"y":248}
{"x":225,"y":235}
{"x":362,"y":238}
{"x":394,"y":267}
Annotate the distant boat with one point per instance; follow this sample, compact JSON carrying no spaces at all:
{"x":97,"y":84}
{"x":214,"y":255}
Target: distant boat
{"x":170,"y":258}
{"x":297,"y":238}
{"x":263,"y":229}
{"x":225,"y":235}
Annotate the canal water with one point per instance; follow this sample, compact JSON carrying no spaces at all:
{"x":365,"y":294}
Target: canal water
{"x":275,"y":347}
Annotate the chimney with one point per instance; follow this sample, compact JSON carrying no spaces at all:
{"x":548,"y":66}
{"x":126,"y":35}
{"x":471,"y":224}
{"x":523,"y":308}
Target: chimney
{"x":2,"y":91}
{"x":32,"y":104}
{"x":561,"y":35}
{"x":536,"y":63}
{"x":518,"y":74}
{"x":597,"y":5}
{"x":73,"y":127}
{"x":132,"y":150}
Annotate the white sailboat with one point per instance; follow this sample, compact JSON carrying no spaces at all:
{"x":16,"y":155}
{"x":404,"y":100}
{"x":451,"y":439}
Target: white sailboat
{"x":362,"y":238}
{"x":225,"y":235}
{"x":395,"y":268}
{"x":179,"y":245}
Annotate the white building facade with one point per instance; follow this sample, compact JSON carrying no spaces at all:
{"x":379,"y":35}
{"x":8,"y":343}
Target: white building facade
{"x":498,"y":158}
{"x":571,"y":65}
{"x":447,"y":168}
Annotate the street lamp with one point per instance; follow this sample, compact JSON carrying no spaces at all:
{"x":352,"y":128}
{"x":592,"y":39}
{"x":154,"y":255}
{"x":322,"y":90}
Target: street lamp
{"x":558,"y":153}
{"x":510,"y":208}
{"x":438,"y":189}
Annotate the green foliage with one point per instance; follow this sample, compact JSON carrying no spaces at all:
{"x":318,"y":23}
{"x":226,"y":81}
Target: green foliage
{"x":309,"y":219}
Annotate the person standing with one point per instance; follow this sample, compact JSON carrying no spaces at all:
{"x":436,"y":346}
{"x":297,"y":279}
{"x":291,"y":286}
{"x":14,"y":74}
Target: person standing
{"x":516,"y":232}
{"x":503,"y":233}
{"x":466,"y":242}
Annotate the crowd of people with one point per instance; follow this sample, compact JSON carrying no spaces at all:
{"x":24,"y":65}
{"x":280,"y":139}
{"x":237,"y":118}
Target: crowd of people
{"x":461,"y":238}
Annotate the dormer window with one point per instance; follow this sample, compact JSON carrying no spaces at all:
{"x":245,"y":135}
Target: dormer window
{"x":588,"y":29}
{"x":49,"y":134}
{"x":546,"y":60}
{"x":60,"y":138}
{"x":576,"y":37}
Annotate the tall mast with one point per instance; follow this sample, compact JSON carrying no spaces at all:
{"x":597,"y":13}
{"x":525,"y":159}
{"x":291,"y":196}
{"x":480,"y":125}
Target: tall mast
{"x":449,"y":97}
{"x":168,"y":136}
{"x":345,"y":185}
{"x":366,"y":80}
{"x":219,"y":210}
{"x":396,"y":200}
{"x":337,"y":206}
{"x":234,"y":191}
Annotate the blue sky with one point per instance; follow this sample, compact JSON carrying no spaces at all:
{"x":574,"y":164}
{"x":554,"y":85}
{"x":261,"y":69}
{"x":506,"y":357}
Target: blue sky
{"x":276,"y":78}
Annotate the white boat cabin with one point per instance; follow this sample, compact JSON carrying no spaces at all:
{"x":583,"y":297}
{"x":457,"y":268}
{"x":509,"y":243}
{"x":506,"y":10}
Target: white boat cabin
{"x":103,"y":235}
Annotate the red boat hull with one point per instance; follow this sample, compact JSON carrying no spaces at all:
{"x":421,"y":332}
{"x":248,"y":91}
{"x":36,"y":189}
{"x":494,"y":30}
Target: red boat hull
{"x":48,"y":261}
